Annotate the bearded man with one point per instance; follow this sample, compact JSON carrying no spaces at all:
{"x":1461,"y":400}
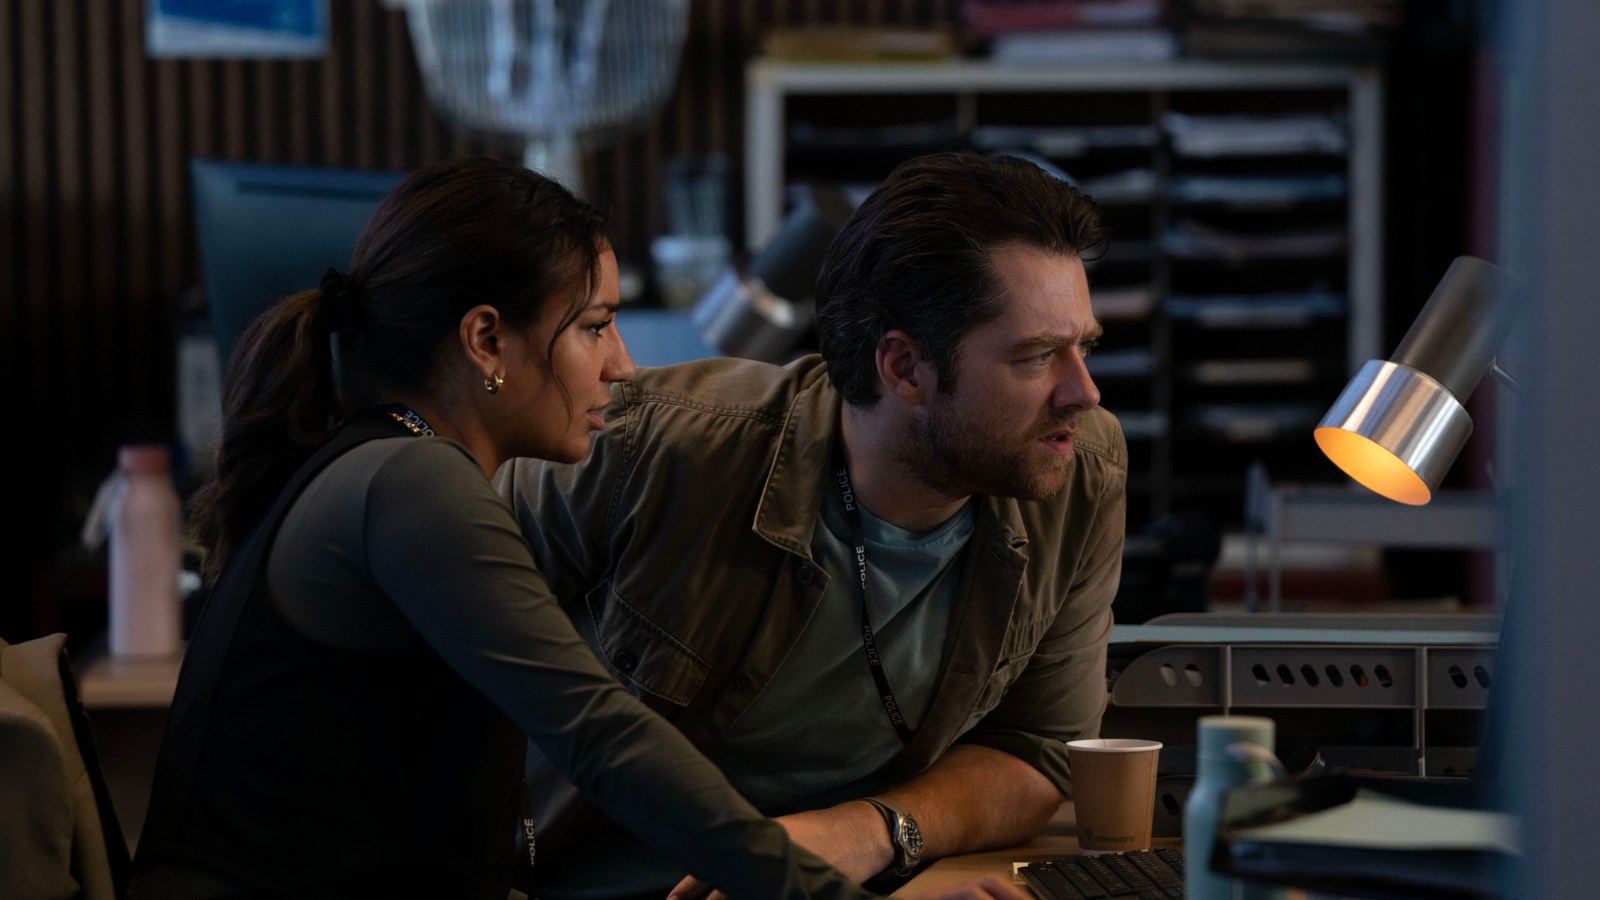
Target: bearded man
{"x":874,"y":586}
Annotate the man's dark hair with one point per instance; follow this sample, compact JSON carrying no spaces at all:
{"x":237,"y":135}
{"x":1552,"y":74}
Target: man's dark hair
{"x":917,"y":257}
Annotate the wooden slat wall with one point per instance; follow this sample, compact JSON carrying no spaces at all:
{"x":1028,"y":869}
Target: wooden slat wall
{"x":96,"y":234}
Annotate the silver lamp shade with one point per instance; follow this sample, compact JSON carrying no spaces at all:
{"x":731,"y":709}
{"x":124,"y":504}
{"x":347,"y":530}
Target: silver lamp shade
{"x":1395,"y":430}
{"x":1400,"y":424}
{"x":763,"y":312}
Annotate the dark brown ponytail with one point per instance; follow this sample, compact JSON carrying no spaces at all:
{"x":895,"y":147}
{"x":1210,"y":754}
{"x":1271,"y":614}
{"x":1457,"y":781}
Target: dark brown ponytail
{"x":279,"y":403}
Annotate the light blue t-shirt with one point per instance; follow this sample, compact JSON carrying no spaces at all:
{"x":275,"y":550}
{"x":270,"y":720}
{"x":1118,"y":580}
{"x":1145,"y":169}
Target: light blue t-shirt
{"x":786,"y":752}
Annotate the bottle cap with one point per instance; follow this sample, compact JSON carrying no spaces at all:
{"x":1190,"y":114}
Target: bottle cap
{"x":1217,"y":733}
{"x":144,"y":459}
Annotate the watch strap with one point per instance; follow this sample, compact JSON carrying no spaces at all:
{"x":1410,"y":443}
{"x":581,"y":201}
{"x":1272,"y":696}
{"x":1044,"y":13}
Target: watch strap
{"x":904,"y":835}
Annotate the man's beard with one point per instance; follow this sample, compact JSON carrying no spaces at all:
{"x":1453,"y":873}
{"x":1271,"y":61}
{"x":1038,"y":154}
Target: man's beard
{"x":958,"y":458}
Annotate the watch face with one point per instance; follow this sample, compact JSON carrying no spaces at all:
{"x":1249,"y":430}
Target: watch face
{"x":909,"y":837}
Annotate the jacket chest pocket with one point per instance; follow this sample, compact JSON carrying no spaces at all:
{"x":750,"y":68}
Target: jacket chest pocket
{"x":1022,"y":638}
{"x":640,"y":652}
{"x":994,"y":690}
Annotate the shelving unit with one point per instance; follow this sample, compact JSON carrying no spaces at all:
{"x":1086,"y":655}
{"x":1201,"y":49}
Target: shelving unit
{"x":1240,"y":287}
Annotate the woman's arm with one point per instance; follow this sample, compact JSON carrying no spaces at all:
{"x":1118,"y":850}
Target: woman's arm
{"x":443,"y":547}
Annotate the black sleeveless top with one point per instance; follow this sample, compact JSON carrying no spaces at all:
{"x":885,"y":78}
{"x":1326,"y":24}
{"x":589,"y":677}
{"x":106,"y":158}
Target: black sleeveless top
{"x":298,"y":769}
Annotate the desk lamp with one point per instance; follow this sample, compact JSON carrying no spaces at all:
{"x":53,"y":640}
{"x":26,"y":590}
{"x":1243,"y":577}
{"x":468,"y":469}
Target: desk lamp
{"x":1400,"y":422}
{"x":764,"y":310}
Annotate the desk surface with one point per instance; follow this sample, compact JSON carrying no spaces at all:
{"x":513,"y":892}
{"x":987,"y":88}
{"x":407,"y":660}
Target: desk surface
{"x":110,"y":682}
{"x":1059,"y":838}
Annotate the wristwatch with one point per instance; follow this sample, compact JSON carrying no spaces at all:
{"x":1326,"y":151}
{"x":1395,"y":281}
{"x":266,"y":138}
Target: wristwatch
{"x":903,"y":834}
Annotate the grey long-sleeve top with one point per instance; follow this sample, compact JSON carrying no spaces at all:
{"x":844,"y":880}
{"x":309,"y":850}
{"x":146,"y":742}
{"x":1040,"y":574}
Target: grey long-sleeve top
{"x":405,"y":537}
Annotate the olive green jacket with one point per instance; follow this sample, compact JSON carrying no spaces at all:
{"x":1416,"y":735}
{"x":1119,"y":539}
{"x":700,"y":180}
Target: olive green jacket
{"x":681,"y":547}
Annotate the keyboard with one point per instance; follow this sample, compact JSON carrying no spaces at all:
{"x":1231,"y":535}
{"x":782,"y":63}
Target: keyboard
{"x":1144,"y":874}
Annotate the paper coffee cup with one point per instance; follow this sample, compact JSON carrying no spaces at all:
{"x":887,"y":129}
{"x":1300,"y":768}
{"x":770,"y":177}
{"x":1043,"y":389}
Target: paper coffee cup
{"x":1114,"y":791}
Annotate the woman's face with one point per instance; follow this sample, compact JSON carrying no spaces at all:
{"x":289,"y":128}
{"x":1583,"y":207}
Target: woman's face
{"x":588,"y":357}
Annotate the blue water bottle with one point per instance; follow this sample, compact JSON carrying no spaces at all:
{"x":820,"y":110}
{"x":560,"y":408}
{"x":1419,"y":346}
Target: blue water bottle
{"x":1232,"y":751}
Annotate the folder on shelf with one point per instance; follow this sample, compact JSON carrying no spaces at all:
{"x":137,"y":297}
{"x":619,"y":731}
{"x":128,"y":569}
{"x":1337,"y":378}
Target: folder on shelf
{"x":1059,"y":141}
{"x":907,"y":137}
{"x":858,"y":44}
{"x":1255,"y":190}
{"x":987,"y":17}
{"x":1288,"y":29}
{"x":1084,"y":45}
{"x":1328,"y":15}
{"x":1289,"y":309}
{"x":1142,"y":424}
{"x":1252,"y":371}
{"x":1267,"y":39}
{"x":1122,"y":303}
{"x":1127,"y":186}
{"x":1247,"y":422}
{"x":1122,"y":363}
{"x":1258,"y":135}
{"x":1188,"y":238}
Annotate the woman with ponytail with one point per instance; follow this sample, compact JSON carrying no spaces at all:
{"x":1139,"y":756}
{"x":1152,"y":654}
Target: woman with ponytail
{"x":351,"y":715}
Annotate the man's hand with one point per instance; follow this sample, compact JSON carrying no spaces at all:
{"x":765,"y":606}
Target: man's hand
{"x":851,"y":836}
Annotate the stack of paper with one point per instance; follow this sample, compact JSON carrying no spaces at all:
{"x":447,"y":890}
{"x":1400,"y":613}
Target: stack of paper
{"x":1191,"y":239}
{"x":1374,"y":844}
{"x":1096,"y":45}
{"x":1239,"y":135}
{"x":1065,"y":140}
{"x":1272,"y":310}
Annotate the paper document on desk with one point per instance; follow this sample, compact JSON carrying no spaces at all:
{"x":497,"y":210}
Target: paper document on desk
{"x":1381,"y":822}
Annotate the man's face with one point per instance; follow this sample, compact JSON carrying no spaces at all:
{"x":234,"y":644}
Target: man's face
{"x":1005,"y":426}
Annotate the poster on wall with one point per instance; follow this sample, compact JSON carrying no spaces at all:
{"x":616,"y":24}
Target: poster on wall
{"x":236,"y":29}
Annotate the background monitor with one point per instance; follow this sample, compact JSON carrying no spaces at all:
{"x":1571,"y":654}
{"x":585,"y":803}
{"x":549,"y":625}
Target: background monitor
{"x":268,"y":231}
{"x":662,"y":337}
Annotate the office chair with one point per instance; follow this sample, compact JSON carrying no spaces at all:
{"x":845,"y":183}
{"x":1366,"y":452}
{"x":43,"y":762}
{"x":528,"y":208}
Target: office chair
{"x":59,"y":834}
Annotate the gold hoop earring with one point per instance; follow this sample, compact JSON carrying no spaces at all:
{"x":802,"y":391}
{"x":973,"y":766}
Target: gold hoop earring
{"x":491,"y":383}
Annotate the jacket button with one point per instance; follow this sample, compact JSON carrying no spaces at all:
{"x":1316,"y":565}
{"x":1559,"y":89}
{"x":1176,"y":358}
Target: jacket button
{"x":804,"y":574}
{"x":625,"y":660}
{"x":742,"y":682}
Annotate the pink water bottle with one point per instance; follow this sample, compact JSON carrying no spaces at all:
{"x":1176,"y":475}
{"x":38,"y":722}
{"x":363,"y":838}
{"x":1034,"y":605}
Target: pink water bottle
{"x":146,"y":613}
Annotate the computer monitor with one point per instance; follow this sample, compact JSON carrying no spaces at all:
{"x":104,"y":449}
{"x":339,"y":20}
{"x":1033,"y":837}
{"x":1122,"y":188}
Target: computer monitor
{"x":268,"y":231}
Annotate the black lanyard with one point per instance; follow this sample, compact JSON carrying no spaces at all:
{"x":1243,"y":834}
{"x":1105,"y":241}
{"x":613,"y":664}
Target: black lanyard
{"x":853,"y":515}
